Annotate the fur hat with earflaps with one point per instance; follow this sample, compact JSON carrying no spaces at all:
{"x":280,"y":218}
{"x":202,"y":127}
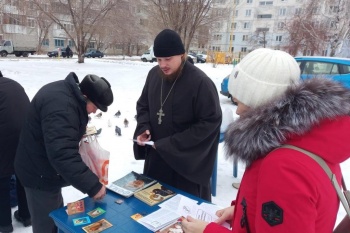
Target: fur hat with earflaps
{"x":98,"y":90}
{"x":262,"y":75}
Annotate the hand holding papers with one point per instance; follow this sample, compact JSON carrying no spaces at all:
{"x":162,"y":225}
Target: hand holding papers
{"x":177,"y":207}
{"x":151,"y":143}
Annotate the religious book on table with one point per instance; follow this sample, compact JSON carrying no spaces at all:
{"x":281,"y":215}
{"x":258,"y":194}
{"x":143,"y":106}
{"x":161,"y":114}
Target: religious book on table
{"x":154,"y":194}
{"x":130,"y":183}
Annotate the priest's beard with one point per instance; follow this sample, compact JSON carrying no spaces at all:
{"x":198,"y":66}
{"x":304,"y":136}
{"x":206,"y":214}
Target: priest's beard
{"x":173,"y":76}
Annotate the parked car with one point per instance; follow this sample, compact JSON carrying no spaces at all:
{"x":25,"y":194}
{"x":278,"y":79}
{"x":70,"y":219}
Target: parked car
{"x":224,"y":88}
{"x":93,"y":53}
{"x":334,"y":68}
{"x":193,"y":58}
{"x":201,"y":58}
{"x":54,"y":53}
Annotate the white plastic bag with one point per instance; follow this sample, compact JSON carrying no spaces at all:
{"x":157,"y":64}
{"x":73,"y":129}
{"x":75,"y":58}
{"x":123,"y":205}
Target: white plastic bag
{"x":227,"y":119}
{"x":95,"y":157}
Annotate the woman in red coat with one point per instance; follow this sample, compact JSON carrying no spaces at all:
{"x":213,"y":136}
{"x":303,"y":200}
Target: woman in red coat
{"x":283,"y":190}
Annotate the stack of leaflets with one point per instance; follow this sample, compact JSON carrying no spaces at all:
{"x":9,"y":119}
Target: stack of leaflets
{"x":172,"y":211}
{"x":130,"y":183}
{"x":154,"y":194}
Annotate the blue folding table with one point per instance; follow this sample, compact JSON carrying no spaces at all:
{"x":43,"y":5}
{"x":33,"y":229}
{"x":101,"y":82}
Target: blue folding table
{"x":117,"y":214}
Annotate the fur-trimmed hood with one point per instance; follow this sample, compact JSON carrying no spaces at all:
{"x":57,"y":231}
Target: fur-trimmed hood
{"x":316,"y":104}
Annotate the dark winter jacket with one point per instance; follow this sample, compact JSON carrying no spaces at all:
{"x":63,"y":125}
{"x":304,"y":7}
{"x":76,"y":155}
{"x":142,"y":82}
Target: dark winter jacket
{"x":48,"y":152}
{"x":14,"y":104}
{"x":284,"y":190}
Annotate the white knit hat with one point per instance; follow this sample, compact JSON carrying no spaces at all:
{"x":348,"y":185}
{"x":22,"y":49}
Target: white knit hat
{"x":262,"y":75}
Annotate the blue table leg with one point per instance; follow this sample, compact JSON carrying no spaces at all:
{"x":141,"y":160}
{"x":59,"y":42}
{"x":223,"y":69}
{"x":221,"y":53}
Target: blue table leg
{"x":214,"y":177}
{"x":235,"y":165}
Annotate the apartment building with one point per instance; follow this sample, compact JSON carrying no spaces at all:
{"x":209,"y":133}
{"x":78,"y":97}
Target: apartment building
{"x":250,"y":24}
{"x":261,"y":23}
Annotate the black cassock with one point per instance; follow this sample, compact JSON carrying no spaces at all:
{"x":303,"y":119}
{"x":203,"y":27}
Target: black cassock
{"x":187,"y":139}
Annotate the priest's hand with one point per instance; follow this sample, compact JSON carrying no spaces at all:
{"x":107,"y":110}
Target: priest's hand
{"x":225,"y":215}
{"x":192,"y":225}
{"x":144,"y":137}
{"x":101,"y":194}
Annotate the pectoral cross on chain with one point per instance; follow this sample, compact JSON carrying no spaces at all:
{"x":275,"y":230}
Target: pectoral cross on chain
{"x":160,"y":115}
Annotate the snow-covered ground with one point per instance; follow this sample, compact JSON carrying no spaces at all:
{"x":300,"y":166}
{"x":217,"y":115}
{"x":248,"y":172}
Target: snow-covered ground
{"x":127,"y":78}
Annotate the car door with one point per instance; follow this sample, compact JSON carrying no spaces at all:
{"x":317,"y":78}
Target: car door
{"x":331,"y":70}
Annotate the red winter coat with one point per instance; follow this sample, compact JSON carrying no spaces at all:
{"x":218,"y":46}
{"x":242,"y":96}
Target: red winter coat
{"x":285,"y":190}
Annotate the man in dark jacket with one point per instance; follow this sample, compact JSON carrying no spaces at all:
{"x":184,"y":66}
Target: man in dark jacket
{"x":14,"y":104}
{"x":48,"y":156}
{"x":179,"y":110}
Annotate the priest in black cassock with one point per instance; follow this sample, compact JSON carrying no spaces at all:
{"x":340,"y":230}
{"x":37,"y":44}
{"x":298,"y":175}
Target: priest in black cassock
{"x":179,"y":110}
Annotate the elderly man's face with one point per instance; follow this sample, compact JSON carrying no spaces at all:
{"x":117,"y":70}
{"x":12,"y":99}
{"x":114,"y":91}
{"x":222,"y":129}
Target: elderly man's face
{"x":169,"y":65}
{"x":91,"y":107}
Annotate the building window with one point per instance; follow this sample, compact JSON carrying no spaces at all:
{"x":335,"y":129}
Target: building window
{"x":280,"y":25}
{"x":91,"y":45}
{"x":31,"y":5}
{"x":266,"y":3}
{"x":45,"y":42}
{"x":59,"y":43}
{"x":283,"y":11}
{"x":236,"y":13}
{"x":279,"y":38}
{"x":14,"y":20}
{"x":246,"y":25}
{"x":244,"y":49}
{"x":332,"y":24}
{"x":315,"y":10}
{"x":233,"y":25}
{"x":236,"y":2}
{"x":46,"y":7}
{"x":333,"y":9}
{"x":248,"y":13}
{"x":249,"y":1}
{"x":71,"y":43}
{"x":31,"y":22}
{"x":232,"y":37}
{"x":298,"y":11}
{"x":217,"y":37}
{"x":266,"y":16}
{"x":245,"y":38}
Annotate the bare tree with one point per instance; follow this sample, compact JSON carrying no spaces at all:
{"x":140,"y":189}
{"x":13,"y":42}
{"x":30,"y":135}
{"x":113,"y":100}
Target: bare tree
{"x":127,"y":29}
{"x":260,"y":37}
{"x":187,"y":16}
{"x":337,"y":13}
{"x":306,"y":31}
{"x":79,"y":19}
{"x":321,"y":23}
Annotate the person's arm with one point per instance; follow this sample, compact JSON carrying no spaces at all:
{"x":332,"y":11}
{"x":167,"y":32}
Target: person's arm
{"x":192,"y":225}
{"x":287,"y":194}
{"x":61,"y":137}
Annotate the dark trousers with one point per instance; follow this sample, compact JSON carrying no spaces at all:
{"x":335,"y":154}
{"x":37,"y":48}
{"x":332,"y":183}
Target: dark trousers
{"x":23,"y":210}
{"x":40,"y":204}
{"x":5,"y":201}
